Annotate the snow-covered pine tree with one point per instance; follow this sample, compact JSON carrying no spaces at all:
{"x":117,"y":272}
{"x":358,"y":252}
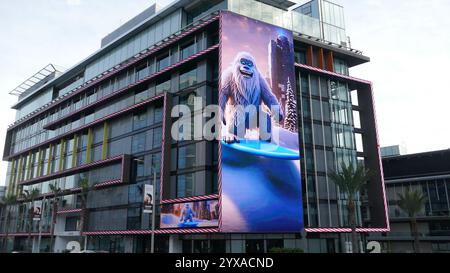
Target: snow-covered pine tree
{"x":290,"y":122}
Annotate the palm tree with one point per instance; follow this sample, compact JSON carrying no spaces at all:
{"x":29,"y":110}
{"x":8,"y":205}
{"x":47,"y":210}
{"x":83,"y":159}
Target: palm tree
{"x":85,"y":189}
{"x":351,"y":181}
{"x":9,"y":201}
{"x":412,"y":203}
{"x":30,"y":196}
{"x":57,"y":191}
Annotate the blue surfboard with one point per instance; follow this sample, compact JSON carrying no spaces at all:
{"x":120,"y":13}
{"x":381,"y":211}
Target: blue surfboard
{"x":188,"y":225}
{"x":265,"y":149}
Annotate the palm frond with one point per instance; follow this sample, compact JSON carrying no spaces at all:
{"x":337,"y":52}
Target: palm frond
{"x":10,"y":199}
{"x":411,"y":202}
{"x":350,"y":180}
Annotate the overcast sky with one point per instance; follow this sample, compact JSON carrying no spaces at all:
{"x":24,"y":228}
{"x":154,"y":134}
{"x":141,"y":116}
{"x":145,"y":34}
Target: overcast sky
{"x":408,"y":42}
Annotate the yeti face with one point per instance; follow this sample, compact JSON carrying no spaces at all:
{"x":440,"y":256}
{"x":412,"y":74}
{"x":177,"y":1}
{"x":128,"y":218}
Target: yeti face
{"x":246,"y":68}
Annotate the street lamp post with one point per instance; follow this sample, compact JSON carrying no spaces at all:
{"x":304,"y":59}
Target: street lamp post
{"x":40,"y":226}
{"x":152,"y":246}
{"x":152,"y":243}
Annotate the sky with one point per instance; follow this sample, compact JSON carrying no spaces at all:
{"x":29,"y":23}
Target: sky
{"x":408,"y":42}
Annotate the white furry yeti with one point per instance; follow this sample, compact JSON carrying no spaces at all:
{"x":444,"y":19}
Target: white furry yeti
{"x":243,"y":86}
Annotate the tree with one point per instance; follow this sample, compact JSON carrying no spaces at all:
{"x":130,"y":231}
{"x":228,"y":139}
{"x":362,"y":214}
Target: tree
{"x":290,"y":123}
{"x":412,"y":203}
{"x":30,"y":196}
{"x":85,"y":189}
{"x":351,"y":181}
{"x":57,"y":192}
{"x":9,"y":201}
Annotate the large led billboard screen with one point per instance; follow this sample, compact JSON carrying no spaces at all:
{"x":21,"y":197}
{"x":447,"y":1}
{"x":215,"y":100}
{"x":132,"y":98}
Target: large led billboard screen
{"x":198,"y":214}
{"x":260,"y":161}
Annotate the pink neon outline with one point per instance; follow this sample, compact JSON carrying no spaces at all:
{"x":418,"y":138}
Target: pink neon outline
{"x":191,"y":199}
{"x":107,"y":74}
{"x":143,"y":232}
{"x":75,"y":170}
{"x":370,"y":84}
{"x":126,"y":88}
{"x":86,"y":126}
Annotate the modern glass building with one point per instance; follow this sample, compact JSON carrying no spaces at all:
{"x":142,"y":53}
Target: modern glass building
{"x":428,"y":173}
{"x":101,"y":132}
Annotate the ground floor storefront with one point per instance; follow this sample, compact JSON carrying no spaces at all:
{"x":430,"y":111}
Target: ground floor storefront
{"x":185,"y":243}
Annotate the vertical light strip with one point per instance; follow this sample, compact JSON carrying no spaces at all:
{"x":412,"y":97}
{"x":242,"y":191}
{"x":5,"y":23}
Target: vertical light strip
{"x":28,"y":166}
{"x":40,"y":163}
{"x":105,"y":140}
{"x":50,"y":159}
{"x":19,"y":178}
{"x":19,"y":171}
{"x":75,"y":153}
{"x":12,"y":177}
{"x":61,"y":155}
{"x":89,"y":148}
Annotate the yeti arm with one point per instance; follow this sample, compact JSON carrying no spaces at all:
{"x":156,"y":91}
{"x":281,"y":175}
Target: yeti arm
{"x":224,"y":94}
{"x":269,"y":98}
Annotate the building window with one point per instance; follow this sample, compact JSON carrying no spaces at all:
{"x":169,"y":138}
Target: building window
{"x":157,"y":137}
{"x":135,"y":193}
{"x":158,"y":115}
{"x":156,"y":162}
{"x":72,"y":223}
{"x":163,"y":62}
{"x":201,"y":246}
{"x":185,"y":185}
{"x":188,"y":78}
{"x":142,"y":72}
{"x":162,"y":87}
{"x":186,"y":156}
{"x":139,"y":120}
{"x":134,"y":219}
{"x":300,"y":57}
{"x":141,"y":96}
{"x":340,"y":66}
{"x":121,"y":82}
{"x":304,"y":84}
{"x":91,"y":97}
{"x":139,"y":170}
{"x":187,"y":50}
{"x":339,"y":91}
{"x":88,"y":118}
{"x":254,"y":246}
{"x":138,"y":143}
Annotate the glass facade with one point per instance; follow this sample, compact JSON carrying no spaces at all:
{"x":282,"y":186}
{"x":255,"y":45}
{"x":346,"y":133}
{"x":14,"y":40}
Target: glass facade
{"x":436,"y":191}
{"x":135,"y":45}
{"x":326,"y":124}
{"x":292,"y":20}
{"x":33,"y":133}
{"x":327,"y":141}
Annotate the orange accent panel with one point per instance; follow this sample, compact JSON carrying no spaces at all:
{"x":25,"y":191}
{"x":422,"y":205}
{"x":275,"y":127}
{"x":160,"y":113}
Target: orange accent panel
{"x":330,"y":61}
{"x":320,"y":58}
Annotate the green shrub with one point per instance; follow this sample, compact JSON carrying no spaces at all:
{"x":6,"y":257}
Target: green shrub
{"x":286,"y":250}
